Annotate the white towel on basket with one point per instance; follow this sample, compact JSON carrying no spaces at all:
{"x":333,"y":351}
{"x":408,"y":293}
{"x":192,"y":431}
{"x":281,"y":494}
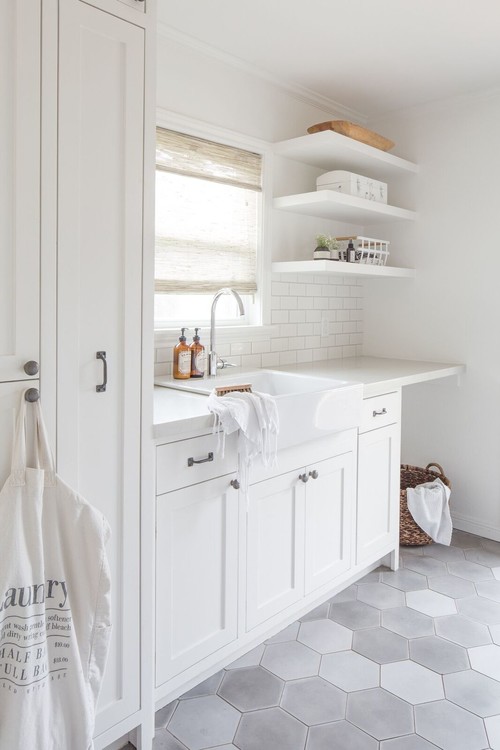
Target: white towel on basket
{"x":428,"y":504}
{"x":255,"y":415}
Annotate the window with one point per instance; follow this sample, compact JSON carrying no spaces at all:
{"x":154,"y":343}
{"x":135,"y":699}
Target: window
{"x":208,"y":218}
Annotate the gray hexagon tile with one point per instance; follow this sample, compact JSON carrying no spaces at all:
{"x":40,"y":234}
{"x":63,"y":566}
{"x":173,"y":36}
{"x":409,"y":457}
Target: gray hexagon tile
{"x":341,"y":735}
{"x":405,"y":579}
{"x":470,"y":570}
{"x":318,"y":613}
{"x":489,"y":589}
{"x":373,"y":577}
{"x":428,"y":566}
{"x":314,"y":701}
{"x":410,"y":742}
{"x":463,"y":631}
{"x":350,"y":671}
{"x":163,"y":715}
{"x":431,"y":603}
{"x":347,"y":595}
{"x":165,"y":741}
{"x":445,"y":554}
{"x":486,"y":659}
{"x":207,"y":687}
{"x":493,"y":731}
{"x":465,"y":540}
{"x":291,"y":660}
{"x":205,"y":722}
{"x":379,"y":713}
{"x":457,"y":588}
{"x":272,"y":728}
{"x":408,"y":622}
{"x":491,"y":545}
{"x":250,"y":659}
{"x":496,"y":572}
{"x":480,"y":609}
{"x":438,"y":654}
{"x":412,"y":682}
{"x":287,"y":634}
{"x":380,"y":595}
{"x":251,"y":688}
{"x":325,"y":636}
{"x":474,"y":691}
{"x":380,"y":645}
{"x":355,"y":615}
{"x":483,"y":557}
{"x":495,"y":634}
{"x":450,"y":727}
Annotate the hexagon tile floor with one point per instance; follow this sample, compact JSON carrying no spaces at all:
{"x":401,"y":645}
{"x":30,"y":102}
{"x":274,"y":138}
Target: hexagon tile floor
{"x":406,"y":660}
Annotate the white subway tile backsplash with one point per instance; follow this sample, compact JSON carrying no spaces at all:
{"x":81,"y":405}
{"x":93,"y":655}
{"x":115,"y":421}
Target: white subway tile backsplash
{"x":288,"y":358}
{"x":279,"y":316}
{"x":271,"y":360}
{"x":261,"y":347}
{"x":241,"y":347}
{"x":279,"y":288}
{"x":297,"y":316}
{"x":298,"y":305}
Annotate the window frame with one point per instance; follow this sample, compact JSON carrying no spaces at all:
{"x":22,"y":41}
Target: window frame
{"x":259,"y":315}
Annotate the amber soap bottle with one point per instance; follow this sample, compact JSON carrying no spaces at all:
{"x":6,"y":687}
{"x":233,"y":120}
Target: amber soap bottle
{"x":198,"y":357}
{"x":182,"y":359}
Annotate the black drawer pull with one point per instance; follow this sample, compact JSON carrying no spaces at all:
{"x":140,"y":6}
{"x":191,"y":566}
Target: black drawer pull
{"x":380,"y":413}
{"x":192,"y":461}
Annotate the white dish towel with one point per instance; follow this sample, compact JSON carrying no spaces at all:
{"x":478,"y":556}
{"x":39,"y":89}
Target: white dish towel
{"x":428,"y":503}
{"x":255,"y":415}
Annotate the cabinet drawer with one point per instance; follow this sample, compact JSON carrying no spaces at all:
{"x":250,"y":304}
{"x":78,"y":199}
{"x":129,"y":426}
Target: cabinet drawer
{"x":176,"y":465}
{"x":379,"y":411}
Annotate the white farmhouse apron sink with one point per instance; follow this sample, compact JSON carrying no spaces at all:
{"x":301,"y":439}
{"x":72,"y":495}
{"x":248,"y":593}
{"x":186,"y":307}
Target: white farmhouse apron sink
{"x":309,"y":407}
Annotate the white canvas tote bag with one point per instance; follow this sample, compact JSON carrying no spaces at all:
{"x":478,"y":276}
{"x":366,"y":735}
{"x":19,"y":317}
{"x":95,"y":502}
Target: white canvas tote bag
{"x":54,"y":603}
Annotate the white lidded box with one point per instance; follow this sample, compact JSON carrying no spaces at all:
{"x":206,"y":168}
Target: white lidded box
{"x":350,"y":183}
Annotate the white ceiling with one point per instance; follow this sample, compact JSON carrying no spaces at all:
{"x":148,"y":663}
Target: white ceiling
{"x":372,"y":56}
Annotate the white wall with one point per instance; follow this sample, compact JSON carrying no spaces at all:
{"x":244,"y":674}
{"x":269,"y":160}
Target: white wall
{"x":194,"y":84}
{"x":451,"y":312}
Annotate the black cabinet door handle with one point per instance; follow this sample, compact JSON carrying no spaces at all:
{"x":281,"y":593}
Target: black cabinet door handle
{"x":102,"y":386}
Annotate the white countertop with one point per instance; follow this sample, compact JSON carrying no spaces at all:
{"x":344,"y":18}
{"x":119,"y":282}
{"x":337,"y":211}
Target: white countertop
{"x":177,"y":413}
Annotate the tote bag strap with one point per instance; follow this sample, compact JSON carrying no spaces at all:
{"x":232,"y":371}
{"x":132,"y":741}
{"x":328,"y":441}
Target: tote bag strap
{"x":18,"y":465}
{"x":43,"y":454}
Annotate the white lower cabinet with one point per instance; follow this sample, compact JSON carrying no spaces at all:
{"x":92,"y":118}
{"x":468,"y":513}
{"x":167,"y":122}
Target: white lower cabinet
{"x":275,"y":546}
{"x":377,"y":522}
{"x":329,"y":508}
{"x":197,"y":529}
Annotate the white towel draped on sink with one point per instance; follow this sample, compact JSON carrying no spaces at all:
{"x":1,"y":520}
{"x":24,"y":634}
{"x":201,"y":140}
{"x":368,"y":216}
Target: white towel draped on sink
{"x":255,"y":415}
{"x":428,"y":503}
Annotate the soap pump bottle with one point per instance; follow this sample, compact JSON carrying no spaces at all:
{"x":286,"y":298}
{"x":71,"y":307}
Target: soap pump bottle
{"x":182,"y":359}
{"x":198,"y":357}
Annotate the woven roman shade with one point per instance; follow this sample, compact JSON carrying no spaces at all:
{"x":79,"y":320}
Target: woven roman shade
{"x":207,"y":215}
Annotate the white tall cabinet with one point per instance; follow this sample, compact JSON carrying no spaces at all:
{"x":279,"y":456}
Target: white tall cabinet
{"x":100,"y":169}
{"x":19,"y":207}
{"x":76,"y":187}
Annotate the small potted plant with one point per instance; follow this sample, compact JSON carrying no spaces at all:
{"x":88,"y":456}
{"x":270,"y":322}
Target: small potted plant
{"x":334,"y":248}
{"x":322,"y":251}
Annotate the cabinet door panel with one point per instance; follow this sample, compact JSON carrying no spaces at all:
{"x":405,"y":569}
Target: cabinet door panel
{"x":196,"y":580}
{"x":378,"y":492}
{"x":100,"y":173}
{"x":329,"y":503}
{"x":19,"y":187}
{"x":275,"y":547}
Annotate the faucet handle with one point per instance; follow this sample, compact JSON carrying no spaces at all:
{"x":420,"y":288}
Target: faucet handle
{"x":222,"y":364}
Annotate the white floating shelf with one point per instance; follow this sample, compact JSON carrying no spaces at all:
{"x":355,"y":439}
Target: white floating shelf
{"x":329,"y":204}
{"x":340,"y":268}
{"x":329,"y":150}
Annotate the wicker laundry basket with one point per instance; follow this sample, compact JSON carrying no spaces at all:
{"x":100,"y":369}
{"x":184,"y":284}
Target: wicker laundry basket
{"x":410,"y":534}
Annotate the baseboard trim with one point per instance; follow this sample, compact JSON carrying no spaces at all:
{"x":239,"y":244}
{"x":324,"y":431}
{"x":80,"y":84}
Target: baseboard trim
{"x":473,"y":526}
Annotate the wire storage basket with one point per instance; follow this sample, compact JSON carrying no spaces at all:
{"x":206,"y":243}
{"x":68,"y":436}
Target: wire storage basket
{"x":410,"y":533}
{"x":369,"y":251}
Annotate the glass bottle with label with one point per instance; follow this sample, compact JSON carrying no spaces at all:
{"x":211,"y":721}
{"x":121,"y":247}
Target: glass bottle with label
{"x":198,"y":357}
{"x":182,"y":359}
